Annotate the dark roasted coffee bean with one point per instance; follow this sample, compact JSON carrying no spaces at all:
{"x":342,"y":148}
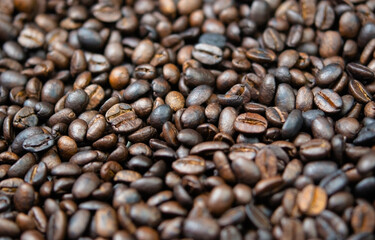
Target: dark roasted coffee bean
{"x":85,"y":185}
{"x":295,"y":35}
{"x":220,"y":199}
{"x":105,"y":222}
{"x":123,"y":118}
{"x":292,"y":124}
{"x":231,"y":121}
{"x":329,"y":74}
{"x":23,"y":164}
{"x":312,"y":200}
{"x":359,"y":71}
{"x":17,"y":145}
{"x":362,"y":213}
{"x":246,"y":171}
{"x":366,"y":33}
{"x":272,"y":40}
{"x":207,"y":54}
{"x":38,"y":143}
{"x":9,"y":228}
{"x":77,"y":100}
{"x":24,"y":197}
{"x":261,"y":55}
{"x":359,"y":92}
{"x":192,"y":117}
{"x":189,"y":165}
{"x":325,"y":16}
{"x":10,"y":79}
{"x":331,"y":44}
{"x":24,"y":118}
{"x":315,"y":149}
{"x":199,"y":95}
{"x":250,"y":123}
{"x":213,"y":39}
{"x":348,"y":127}
{"x":199,"y":76}
{"x":52,"y":91}
{"x":285,"y":98}
{"x":31,"y":38}
{"x":57,"y":224}
{"x":334,"y":182}
{"x":267,"y":89}
{"x":328,"y":101}
{"x":78,"y":223}
{"x":160,"y":115}
{"x":202,"y":227}
{"x":317,"y":170}
{"x":37,"y":174}
{"x":322,"y":128}
{"x":257,"y":217}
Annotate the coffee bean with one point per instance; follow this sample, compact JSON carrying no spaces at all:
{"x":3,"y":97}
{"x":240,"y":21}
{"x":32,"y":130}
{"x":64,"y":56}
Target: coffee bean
{"x":292,"y":124}
{"x":90,"y":39}
{"x":78,"y":223}
{"x":31,"y":38}
{"x":325,"y":16}
{"x":59,"y":218}
{"x":263,"y":141}
{"x":189,"y":165}
{"x":326,"y":228}
{"x":250,"y":123}
{"x":322,"y":128}
{"x":208,"y":148}
{"x":105,"y":222}
{"x":106,"y":13}
{"x":315,"y":149}
{"x":38,"y":143}
{"x":331,"y":44}
{"x":9,"y":228}
{"x":362,"y":213}
{"x":145,"y":215}
{"x":246,"y":171}
{"x":122,"y":118}
{"x":348,"y":127}
{"x":257,"y":217}
{"x":207,"y":54}
{"x":119,"y":77}
{"x":272,"y":40}
{"x":295,"y":35}
{"x":215,"y":39}
{"x":199,"y":95}
{"x":366,"y":34}
{"x":267,"y":90}
{"x":261,"y":55}
{"x":37,"y":174}
{"x":202,"y":227}
{"x":25,"y":117}
{"x":359,"y":92}
{"x":85,"y":185}
{"x":312,"y":200}
{"x":10,"y":79}
{"x":285,"y":98}
{"x":329,"y":74}
{"x":24,"y":197}
{"x":328,"y":101}
{"x":189,"y":137}
{"x":220,"y":199}
{"x":17,"y":145}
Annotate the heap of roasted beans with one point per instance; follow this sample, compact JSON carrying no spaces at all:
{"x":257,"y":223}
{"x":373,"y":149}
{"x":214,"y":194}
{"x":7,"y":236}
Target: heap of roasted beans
{"x":187,"y":119}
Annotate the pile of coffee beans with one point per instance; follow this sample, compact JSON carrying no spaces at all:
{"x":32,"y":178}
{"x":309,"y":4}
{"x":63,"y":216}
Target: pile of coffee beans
{"x":187,"y":119}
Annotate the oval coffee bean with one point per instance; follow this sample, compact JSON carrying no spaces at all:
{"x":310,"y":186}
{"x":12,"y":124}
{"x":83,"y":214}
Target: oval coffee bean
{"x":250,"y":123}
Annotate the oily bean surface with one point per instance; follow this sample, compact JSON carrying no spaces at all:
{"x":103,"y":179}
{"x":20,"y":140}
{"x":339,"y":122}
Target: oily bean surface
{"x":189,"y":119}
